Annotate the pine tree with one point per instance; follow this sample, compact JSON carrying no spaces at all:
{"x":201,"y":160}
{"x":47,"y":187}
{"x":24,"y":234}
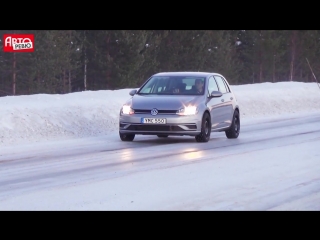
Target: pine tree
{"x":310,"y":49}
{"x":223,"y":55}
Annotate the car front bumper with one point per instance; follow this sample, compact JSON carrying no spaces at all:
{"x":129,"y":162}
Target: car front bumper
{"x":175,"y":125}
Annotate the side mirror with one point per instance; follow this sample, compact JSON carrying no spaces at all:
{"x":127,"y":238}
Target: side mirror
{"x":215,"y":94}
{"x":133,"y":92}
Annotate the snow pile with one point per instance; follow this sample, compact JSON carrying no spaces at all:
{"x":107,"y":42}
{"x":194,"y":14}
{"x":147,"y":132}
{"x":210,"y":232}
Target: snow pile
{"x":270,"y":99}
{"x":42,"y":117}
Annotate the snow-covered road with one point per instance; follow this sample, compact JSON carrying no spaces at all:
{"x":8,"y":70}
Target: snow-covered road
{"x":273,"y":165}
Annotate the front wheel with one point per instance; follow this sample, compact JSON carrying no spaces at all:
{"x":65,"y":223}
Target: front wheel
{"x":126,"y":137}
{"x":204,"y":136}
{"x":234,"y":130}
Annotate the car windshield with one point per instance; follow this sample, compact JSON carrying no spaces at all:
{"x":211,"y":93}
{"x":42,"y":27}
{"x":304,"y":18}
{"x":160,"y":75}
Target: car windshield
{"x":173,"y":85}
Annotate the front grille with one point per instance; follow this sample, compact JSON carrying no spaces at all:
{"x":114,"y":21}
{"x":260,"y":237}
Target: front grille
{"x":144,"y":111}
{"x":155,"y":128}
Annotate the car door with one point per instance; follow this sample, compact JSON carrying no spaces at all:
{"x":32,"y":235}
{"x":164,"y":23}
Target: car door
{"x":216,"y":106}
{"x":226,"y":99}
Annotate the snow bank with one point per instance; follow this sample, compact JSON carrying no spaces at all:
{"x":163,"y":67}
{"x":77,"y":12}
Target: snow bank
{"x":42,"y":117}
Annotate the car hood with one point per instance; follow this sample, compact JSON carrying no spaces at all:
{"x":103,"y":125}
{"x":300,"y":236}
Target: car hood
{"x":162,"y":102}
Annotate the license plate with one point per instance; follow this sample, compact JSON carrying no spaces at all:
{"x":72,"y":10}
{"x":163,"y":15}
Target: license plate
{"x":154,"y":120}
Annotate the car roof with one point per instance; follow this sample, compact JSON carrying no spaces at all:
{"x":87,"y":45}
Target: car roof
{"x":186,"y":74}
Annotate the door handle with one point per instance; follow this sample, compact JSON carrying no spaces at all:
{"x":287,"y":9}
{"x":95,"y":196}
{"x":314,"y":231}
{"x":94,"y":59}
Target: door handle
{"x":231,"y":98}
{"x":222,"y":100}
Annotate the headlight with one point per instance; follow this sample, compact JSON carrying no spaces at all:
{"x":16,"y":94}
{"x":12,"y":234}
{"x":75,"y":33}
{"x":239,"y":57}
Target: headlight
{"x":190,"y":110}
{"x":127,"y":110}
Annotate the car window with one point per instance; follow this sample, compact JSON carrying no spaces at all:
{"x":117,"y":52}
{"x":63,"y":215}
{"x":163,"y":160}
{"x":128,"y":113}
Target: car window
{"x":212,"y":86}
{"x":155,"y":85}
{"x":171,"y":85}
{"x":226,"y":84}
{"x":189,"y":82}
{"x":160,"y":85}
{"x":220,"y":82}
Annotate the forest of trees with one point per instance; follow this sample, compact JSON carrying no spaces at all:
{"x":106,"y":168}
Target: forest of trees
{"x":67,"y":61}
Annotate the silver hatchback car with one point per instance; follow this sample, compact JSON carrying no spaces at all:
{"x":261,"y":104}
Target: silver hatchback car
{"x":181,"y":103}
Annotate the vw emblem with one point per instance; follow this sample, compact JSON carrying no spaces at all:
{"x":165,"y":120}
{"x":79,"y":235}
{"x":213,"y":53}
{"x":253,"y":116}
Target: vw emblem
{"x":154,"y":112}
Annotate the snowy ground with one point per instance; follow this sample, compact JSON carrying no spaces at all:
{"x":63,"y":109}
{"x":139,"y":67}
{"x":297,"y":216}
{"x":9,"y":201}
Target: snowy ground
{"x":63,"y":152}
{"x":43,"y":117}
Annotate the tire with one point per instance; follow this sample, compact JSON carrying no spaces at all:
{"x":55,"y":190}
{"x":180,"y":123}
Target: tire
{"x":234,"y":130}
{"x":126,"y":137}
{"x":162,"y":136}
{"x":204,"y":136}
